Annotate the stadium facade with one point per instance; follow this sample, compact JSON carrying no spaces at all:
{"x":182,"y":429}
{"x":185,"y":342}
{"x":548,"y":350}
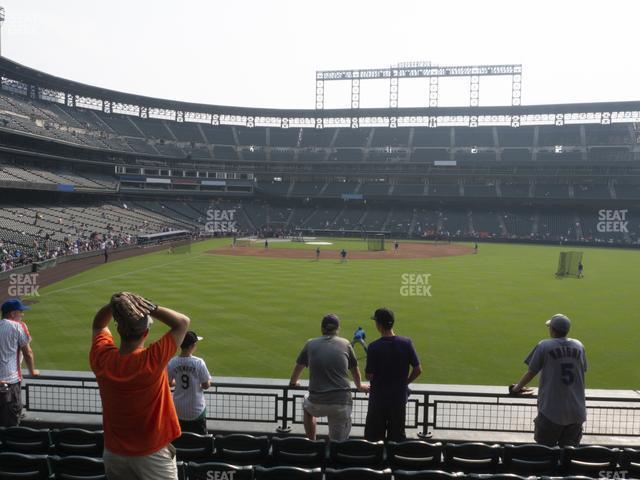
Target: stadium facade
{"x":546,"y":173}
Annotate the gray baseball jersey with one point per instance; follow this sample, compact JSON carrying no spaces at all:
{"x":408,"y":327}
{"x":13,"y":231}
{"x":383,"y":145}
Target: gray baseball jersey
{"x":562,"y":363}
{"x":189,"y":373}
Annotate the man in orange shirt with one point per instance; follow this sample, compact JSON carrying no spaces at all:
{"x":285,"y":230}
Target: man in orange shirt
{"x":139,"y":418}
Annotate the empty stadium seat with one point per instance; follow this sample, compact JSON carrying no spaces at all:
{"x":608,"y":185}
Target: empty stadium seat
{"x":531,"y":459}
{"x":414,"y":455}
{"x":77,"y":441}
{"x":23,"y":467}
{"x":77,"y":468}
{"x":242,"y":449}
{"x":472,"y":457}
{"x":356,"y":453}
{"x":194,"y":447}
{"x":357,"y":473}
{"x":630,"y":461}
{"x":207,"y":471}
{"x":423,"y":475}
{"x":589,"y":460}
{"x":500,"y":476}
{"x":25,"y":440}
{"x":287,"y":473}
{"x":298,"y":451}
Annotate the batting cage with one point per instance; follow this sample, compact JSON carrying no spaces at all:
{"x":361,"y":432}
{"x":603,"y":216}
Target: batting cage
{"x":375,"y":242}
{"x":568,"y":264}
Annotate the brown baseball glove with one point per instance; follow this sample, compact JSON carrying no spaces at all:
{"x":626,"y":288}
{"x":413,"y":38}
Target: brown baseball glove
{"x":131,"y":311}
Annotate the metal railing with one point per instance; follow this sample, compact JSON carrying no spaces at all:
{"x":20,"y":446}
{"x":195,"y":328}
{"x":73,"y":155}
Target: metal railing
{"x":429,"y":409}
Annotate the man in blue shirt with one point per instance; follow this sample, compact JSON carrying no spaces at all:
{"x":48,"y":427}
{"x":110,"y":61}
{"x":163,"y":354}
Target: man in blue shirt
{"x":392,"y":364}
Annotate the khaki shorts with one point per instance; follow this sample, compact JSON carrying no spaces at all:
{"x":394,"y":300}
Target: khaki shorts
{"x":160,"y":465}
{"x":338,"y":417}
{"x":551,"y":434}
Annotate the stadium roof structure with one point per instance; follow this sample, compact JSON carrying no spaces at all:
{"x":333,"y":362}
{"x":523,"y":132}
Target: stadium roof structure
{"x":41,"y":85}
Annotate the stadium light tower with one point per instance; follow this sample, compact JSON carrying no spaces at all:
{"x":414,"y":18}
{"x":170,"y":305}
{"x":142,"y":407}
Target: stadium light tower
{"x":1,"y":22}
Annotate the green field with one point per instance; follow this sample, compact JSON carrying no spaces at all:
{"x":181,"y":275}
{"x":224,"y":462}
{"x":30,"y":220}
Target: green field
{"x":486,"y":312}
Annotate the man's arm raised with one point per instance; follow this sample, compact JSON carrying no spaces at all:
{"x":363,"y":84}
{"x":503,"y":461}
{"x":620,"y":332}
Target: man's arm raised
{"x":101,"y":320}
{"x":176,"y":321}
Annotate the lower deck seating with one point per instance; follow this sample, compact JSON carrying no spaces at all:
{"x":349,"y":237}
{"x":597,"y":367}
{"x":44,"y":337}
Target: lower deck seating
{"x":42,"y":453}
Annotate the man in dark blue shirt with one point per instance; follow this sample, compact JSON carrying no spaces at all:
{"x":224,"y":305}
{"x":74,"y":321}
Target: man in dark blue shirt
{"x":392,"y":364}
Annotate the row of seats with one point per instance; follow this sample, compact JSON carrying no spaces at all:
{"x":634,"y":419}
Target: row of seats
{"x":244,"y":449}
{"x":90,"y":126}
{"x":42,"y":467}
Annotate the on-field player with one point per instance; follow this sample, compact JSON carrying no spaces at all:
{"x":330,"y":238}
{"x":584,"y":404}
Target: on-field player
{"x":190,"y":377}
{"x":359,"y":337}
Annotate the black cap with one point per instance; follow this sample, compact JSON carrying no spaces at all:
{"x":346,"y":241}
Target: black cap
{"x":384,"y":317}
{"x":330,"y":322}
{"x":189,"y":339}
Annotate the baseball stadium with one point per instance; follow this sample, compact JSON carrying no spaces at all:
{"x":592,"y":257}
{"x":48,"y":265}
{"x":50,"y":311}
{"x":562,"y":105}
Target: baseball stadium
{"x":474,"y":225}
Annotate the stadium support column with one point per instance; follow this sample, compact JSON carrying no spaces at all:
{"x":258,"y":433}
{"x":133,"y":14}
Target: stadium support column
{"x":355,"y":93}
{"x":394,"y":85}
{"x":433,"y":92}
{"x":474,"y":91}
{"x":1,"y":22}
{"x":516,"y":86}
{"x":319,"y":91}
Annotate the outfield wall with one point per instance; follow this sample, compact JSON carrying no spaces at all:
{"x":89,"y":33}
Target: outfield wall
{"x":69,"y":265}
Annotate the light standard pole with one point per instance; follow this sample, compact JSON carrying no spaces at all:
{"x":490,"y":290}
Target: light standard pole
{"x":1,"y":22}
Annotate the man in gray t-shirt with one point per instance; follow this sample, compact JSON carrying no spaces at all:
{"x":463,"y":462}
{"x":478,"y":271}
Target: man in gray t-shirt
{"x":562,"y":364}
{"x":329,"y":359}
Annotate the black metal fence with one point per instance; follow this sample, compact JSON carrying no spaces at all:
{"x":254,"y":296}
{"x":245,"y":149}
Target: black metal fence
{"x":483,"y":409}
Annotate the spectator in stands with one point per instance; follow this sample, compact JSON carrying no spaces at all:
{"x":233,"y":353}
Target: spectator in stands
{"x":190,"y":377}
{"x":14,"y":339}
{"x":392,"y":364}
{"x":139,"y":417}
{"x":562,"y":363}
{"x":329,"y":359}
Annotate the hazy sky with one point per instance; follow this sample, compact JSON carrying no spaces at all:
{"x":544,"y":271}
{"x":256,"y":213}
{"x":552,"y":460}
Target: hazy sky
{"x":264,"y":53}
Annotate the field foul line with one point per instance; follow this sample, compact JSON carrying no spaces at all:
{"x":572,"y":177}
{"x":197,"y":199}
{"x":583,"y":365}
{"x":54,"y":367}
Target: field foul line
{"x":118,"y":276}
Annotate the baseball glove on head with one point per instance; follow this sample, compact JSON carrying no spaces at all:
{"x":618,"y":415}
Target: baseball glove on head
{"x":131,"y":312}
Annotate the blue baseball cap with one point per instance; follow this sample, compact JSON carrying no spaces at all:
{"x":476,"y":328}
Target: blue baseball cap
{"x":560,"y":323}
{"x":12,"y":305}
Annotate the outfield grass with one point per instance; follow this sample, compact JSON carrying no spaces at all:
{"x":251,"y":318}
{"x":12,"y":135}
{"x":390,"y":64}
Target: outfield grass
{"x":486,"y":312}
